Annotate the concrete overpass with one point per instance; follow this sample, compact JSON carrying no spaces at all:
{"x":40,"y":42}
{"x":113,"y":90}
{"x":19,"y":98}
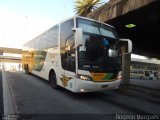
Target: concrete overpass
{"x":10,"y":50}
{"x":138,"y":20}
{"x":12,"y":59}
{"x":144,"y":15}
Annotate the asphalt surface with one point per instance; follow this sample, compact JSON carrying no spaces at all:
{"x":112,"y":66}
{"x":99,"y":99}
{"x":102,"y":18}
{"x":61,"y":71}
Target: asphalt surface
{"x":34,"y":97}
{"x":1,"y":94}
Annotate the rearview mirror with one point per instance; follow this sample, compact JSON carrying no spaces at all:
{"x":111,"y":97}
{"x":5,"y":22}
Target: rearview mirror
{"x":129,"y":45}
{"x":78,"y":37}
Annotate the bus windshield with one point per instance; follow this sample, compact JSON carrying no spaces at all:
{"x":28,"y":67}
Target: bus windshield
{"x":100,"y":51}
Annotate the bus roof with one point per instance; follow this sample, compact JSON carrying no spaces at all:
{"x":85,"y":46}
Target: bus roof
{"x":146,"y":61}
{"x":74,"y":17}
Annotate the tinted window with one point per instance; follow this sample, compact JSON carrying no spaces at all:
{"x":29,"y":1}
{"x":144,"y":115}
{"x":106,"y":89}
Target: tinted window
{"x":52,"y":40}
{"x":67,"y":46}
{"x":96,"y":28}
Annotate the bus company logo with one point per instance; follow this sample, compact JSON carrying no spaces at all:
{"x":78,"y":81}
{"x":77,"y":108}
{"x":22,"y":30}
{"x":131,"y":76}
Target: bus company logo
{"x":65,"y":80}
{"x":97,"y":74}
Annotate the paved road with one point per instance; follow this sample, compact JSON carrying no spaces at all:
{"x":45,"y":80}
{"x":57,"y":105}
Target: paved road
{"x":34,"y":96}
{"x":1,"y":94}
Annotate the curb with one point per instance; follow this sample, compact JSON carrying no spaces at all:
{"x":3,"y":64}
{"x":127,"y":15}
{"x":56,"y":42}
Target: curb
{"x":10,"y":108}
{"x":148,"y":94}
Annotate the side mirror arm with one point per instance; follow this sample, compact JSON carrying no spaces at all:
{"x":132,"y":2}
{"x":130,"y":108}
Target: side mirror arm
{"x":78,"y":37}
{"x":130,"y":45}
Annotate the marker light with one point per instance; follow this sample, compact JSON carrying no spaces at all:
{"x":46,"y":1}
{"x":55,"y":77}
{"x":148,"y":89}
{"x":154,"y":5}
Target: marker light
{"x":130,"y":25}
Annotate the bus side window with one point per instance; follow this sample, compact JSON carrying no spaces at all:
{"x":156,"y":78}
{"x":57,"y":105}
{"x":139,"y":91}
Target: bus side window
{"x":147,"y":73}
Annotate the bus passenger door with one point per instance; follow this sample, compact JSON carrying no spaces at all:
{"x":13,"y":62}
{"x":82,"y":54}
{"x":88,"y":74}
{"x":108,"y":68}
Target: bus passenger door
{"x":67,"y":43}
{"x":68,"y":63}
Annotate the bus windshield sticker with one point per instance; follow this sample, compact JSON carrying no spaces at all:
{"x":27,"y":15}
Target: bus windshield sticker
{"x":105,"y":42}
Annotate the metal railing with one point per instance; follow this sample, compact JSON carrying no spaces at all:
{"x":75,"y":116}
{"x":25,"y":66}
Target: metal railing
{"x":146,"y":82}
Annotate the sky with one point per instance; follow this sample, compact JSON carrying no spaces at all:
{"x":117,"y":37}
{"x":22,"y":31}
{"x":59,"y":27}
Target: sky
{"x":22,"y":20}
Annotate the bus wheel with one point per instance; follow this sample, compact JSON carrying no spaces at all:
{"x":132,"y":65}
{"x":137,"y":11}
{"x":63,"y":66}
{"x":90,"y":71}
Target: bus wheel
{"x":53,"y":80}
{"x":27,"y":69}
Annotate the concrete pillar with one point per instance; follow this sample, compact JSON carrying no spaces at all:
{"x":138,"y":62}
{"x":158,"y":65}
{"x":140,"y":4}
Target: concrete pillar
{"x":126,"y":59}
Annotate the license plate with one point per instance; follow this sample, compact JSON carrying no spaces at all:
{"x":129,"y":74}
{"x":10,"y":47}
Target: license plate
{"x":104,"y":86}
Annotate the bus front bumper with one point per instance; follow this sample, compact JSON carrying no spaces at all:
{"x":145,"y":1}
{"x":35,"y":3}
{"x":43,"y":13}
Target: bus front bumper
{"x":90,"y":86}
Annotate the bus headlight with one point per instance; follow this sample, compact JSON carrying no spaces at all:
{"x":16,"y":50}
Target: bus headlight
{"x":84,"y":77}
{"x":119,"y":77}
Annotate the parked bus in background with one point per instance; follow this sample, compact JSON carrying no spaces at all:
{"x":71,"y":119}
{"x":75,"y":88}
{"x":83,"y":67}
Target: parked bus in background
{"x":79,"y":54}
{"x":144,"y":69}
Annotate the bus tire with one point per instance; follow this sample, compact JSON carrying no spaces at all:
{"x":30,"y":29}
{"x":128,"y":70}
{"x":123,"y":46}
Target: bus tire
{"x":27,"y":69}
{"x":53,"y":80}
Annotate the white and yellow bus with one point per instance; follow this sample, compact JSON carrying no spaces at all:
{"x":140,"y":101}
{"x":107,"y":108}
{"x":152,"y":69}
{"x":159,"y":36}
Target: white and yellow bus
{"x":79,"y":54}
